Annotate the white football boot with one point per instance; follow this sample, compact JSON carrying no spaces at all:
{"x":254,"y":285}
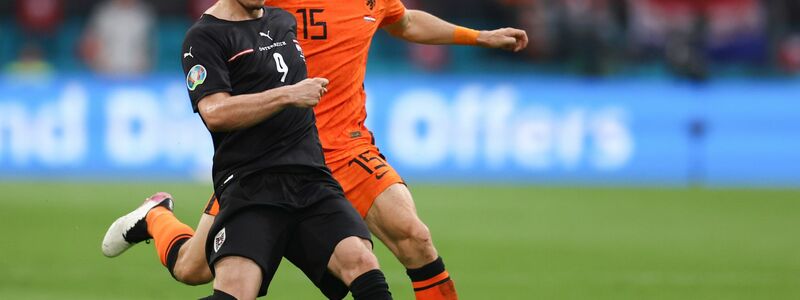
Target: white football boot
{"x":131,"y":229}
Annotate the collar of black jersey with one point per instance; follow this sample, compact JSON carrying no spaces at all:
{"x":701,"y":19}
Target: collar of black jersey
{"x":213,"y":18}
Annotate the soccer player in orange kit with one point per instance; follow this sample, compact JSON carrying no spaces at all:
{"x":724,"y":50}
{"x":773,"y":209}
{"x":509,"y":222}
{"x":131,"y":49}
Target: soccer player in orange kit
{"x":335,"y":37}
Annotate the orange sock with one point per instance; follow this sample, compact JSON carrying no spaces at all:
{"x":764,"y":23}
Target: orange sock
{"x":440,"y":287}
{"x":432,"y":282}
{"x":166,"y":229}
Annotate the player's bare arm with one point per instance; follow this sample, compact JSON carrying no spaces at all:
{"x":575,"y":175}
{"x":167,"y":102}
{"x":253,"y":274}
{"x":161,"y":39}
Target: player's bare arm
{"x":223,"y":112}
{"x":421,"y":27}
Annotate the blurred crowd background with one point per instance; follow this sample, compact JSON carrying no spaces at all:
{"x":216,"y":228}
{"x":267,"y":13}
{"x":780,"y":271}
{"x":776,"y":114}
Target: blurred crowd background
{"x":694,"y":39}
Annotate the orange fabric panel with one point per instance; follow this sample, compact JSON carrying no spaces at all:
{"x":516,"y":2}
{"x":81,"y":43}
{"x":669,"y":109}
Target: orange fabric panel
{"x":363,"y":175}
{"x":165,"y":229}
{"x":394,"y":11}
{"x":443,"y":291}
{"x":212,"y":208}
{"x":335,"y":37}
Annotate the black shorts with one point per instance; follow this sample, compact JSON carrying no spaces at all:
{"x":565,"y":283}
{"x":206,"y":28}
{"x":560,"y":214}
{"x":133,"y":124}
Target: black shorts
{"x":300,"y":216}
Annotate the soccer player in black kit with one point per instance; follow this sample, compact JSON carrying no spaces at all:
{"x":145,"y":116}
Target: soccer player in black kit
{"x":246,"y":76}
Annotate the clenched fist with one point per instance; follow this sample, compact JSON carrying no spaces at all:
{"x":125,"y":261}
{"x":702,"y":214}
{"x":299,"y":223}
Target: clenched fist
{"x":510,"y":39}
{"x":307,"y":93}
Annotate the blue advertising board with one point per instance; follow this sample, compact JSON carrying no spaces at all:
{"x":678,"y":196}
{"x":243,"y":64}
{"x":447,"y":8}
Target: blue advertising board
{"x":442,"y":128}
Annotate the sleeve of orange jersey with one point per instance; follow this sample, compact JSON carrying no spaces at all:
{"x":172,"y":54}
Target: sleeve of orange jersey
{"x":395,"y":10}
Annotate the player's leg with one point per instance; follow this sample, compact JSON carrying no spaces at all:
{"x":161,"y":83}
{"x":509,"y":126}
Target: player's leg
{"x":352,"y":257}
{"x":179,"y":248}
{"x":378,"y":193}
{"x":245,"y":249}
{"x":152,"y":220}
{"x":354,"y":263}
{"x":237,"y":277}
{"x":331,"y":244}
{"x":133,"y":228}
{"x":189,"y":264}
{"x":255,"y":233}
{"x":393,"y":219}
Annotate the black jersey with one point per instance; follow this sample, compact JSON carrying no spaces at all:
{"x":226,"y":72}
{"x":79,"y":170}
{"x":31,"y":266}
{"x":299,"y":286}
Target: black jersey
{"x":244,"y":57}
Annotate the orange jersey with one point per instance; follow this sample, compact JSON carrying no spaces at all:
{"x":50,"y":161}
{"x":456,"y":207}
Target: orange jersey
{"x":335,"y":37}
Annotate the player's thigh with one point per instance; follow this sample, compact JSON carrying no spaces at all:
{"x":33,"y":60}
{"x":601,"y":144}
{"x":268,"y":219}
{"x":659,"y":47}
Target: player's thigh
{"x":393,"y":214}
{"x":323,"y":227}
{"x":256,"y":232}
{"x":191,"y":266}
{"x":201,"y":232}
{"x":393,"y":219}
{"x":238,"y":276}
{"x":196,"y":251}
{"x":363,"y":174}
{"x":192,"y":255}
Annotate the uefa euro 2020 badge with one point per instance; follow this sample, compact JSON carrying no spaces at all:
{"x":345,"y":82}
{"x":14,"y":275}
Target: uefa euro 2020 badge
{"x":196,"y":77}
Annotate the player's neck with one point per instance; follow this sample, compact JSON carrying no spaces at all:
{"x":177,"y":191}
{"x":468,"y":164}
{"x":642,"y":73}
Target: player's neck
{"x":232,"y":10}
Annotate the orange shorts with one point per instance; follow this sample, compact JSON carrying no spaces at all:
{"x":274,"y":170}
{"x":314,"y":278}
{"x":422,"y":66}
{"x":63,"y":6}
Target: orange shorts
{"x":362,"y":171}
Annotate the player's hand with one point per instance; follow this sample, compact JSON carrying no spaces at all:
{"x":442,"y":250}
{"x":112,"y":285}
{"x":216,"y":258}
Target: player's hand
{"x":510,"y":39}
{"x":307,"y":93}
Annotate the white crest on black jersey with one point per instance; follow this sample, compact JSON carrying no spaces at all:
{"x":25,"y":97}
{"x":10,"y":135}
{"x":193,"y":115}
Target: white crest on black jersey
{"x":219,"y":239}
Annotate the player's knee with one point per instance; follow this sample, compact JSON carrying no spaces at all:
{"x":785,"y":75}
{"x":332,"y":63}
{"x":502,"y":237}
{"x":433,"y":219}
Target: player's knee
{"x":420,"y":235}
{"x":416,"y":235}
{"x":360,"y":258}
{"x":416,"y":244}
{"x":191,"y":270}
{"x":238,"y":276}
{"x":351,"y":259}
{"x":192,"y":275}
{"x":367,"y":261}
{"x":359,"y":264}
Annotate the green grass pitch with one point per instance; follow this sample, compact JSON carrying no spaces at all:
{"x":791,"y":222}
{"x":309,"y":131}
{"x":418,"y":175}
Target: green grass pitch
{"x":499,"y":242}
